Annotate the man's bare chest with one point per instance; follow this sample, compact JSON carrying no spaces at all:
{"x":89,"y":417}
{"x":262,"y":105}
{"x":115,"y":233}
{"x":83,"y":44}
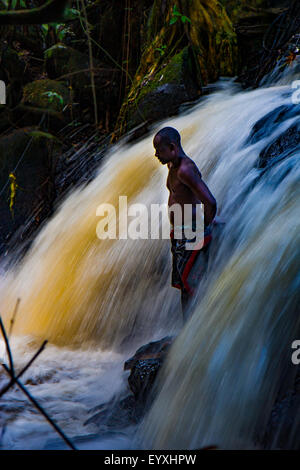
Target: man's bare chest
{"x":174,"y":185}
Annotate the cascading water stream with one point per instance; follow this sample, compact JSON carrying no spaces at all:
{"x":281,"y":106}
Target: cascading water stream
{"x":89,"y":295}
{"x":235,"y":354}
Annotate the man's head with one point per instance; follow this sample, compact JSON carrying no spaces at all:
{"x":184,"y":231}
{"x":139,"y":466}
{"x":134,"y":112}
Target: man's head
{"x":167,"y":144}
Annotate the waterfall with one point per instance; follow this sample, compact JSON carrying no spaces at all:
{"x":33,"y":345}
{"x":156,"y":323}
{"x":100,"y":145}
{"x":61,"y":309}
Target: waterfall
{"x":224,"y":369}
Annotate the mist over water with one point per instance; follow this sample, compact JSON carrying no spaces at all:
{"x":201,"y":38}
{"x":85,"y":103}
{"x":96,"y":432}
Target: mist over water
{"x":94,"y":299}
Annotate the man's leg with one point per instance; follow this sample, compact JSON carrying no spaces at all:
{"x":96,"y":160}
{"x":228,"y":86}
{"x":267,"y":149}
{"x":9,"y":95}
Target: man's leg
{"x":195,"y":276}
{"x":185,"y":303}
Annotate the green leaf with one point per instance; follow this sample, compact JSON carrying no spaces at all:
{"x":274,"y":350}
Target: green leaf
{"x":45,"y":28}
{"x":71,"y":14}
{"x":74,"y":11}
{"x":185,"y":19}
{"x":52,"y":94}
{"x":173,"y":20}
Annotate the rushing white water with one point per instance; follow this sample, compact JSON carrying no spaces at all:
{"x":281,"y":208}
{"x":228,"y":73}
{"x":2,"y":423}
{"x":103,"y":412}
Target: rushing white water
{"x":92,"y":297}
{"x":67,"y":383}
{"x":232,"y":355}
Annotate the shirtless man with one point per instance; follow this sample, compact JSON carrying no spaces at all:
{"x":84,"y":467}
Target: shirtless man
{"x":186,"y":187}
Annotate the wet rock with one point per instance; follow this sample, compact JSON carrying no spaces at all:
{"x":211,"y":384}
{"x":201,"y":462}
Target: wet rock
{"x":282,"y":146}
{"x":142,"y":378}
{"x":286,"y":144}
{"x":153,"y":350}
{"x":144,"y":366}
{"x":116,"y":413}
{"x":266,"y":125}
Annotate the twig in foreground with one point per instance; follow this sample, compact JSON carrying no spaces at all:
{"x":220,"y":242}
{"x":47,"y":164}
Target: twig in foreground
{"x":11,"y":363}
{"x":41,"y":410}
{"x":12,"y":381}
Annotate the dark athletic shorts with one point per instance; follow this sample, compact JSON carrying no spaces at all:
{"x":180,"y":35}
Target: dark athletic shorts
{"x":189,"y":266}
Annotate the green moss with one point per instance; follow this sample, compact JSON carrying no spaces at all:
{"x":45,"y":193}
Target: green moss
{"x":52,"y":51}
{"x":195,"y":52}
{"x":47,"y":94}
{"x":170,"y":73}
{"x":40,"y":136}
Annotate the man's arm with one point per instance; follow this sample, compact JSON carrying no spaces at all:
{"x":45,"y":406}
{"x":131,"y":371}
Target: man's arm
{"x":191,"y":177}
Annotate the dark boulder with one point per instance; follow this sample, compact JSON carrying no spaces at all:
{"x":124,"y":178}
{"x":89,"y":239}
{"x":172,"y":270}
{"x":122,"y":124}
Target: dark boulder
{"x":144,"y":365}
{"x":266,"y":125}
{"x":283,"y":146}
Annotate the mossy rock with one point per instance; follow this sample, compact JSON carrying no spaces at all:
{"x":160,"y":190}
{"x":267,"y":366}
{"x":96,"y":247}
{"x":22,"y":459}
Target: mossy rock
{"x":69,"y":64}
{"x":46,"y":94}
{"x":162,"y":93}
{"x":62,"y":60}
{"x":42,"y":138}
{"x":74,"y":67}
{"x":207,"y":40}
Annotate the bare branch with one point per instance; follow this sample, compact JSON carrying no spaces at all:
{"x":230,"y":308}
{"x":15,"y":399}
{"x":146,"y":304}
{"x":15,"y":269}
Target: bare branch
{"x":52,"y":11}
{"x":11,"y":363}
{"x":40,"y":409}
{"x":15,"y":380}
{"x":12,"y":381}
